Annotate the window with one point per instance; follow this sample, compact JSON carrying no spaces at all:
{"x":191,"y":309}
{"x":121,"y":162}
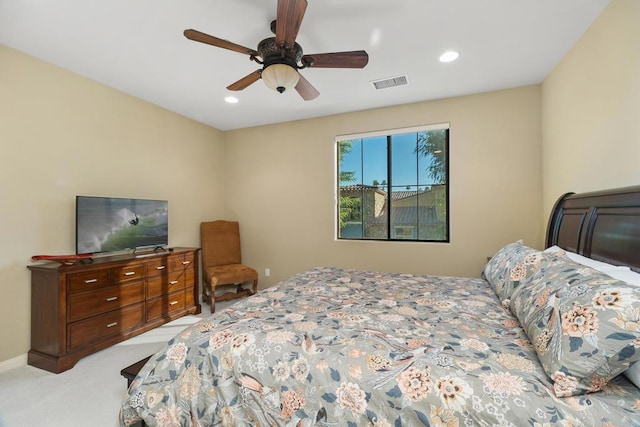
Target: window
{"x":394,"y":185}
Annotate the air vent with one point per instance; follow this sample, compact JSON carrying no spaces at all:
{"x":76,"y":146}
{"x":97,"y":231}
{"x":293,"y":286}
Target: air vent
{"x":390,"y":82}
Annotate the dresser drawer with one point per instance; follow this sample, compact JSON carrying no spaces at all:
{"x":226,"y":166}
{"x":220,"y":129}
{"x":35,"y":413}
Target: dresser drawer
{"x":105,"y":326}
{"x":190,"y":296}
{"x":85,"y":304}
{"x":157,"y":266}
{"x":162,"y":285}
{"x":165,"y":305}
{"x":87,"y":280}
{"x":180,"y":262}
{"x":127,"y":272}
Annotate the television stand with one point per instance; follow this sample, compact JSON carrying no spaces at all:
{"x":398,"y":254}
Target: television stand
{"x":79,"y":309}
{"x":152,"y":252}
{"x":146,"y":255}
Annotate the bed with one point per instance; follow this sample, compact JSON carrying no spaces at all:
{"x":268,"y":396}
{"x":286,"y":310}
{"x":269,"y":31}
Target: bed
{"x":540,"y":338}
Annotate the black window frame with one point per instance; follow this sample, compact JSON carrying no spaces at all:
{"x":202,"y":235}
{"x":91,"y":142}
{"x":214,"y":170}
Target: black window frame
{"x":388,"y":205}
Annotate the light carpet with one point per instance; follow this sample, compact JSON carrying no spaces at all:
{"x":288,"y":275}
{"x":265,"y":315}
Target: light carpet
{"x":89,"y":394}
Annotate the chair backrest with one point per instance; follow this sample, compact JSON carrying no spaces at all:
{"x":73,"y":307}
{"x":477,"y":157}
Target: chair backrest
{"x":220,"y":242}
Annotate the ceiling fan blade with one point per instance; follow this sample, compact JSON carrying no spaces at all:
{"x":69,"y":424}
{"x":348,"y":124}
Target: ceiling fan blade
{"x":288,"y":20}
{"x":306,"y":90}
{"x":215,"y":41}
{"x":246,"y":81}
{"x":351,"y":59}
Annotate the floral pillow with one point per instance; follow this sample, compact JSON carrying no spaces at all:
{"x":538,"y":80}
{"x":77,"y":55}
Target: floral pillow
{"x":510,"y":267}
{"x":584,"y":324}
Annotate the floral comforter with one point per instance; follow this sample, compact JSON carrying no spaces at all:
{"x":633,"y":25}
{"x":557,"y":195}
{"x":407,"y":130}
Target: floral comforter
{"x":333,"y":347}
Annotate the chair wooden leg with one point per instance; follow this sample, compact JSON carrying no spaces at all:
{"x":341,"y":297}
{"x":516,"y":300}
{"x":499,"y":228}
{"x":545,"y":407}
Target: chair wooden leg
{"x":240,"y":291}
{"x":210,"y":298}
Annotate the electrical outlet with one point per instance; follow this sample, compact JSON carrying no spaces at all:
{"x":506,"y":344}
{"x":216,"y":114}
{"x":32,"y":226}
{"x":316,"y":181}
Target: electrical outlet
{"x":267,"y":272}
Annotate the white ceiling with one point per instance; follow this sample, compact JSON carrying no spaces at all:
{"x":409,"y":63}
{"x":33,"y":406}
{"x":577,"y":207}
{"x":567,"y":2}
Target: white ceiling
{"x":137,"y":47}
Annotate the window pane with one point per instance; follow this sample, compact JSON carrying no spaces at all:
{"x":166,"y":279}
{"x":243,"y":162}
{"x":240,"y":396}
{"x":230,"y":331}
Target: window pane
{"x":374,"y":160}
{"x":351,"y":212}
{"x":404,"y":212}
{"x":432,"y":207}
{"x":374,"y":196}
{"x":432,"y":157}
{"x":374,"y":218}
{"x":403,"y":160}
{"x":350,"y":159}
{"x":350,"y":195}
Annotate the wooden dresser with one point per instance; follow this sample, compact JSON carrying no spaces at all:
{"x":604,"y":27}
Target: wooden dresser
{"x":79,"y":309}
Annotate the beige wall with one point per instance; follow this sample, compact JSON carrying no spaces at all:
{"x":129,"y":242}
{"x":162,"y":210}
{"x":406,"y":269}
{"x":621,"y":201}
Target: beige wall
{"x":62,"y":135}
{"x":280,"y":184}
{"x":591,"y":109}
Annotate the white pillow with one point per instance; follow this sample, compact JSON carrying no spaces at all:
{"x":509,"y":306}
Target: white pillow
{"x":601,"y":266}
{"x":629,"y":276}
{"x":633,"y":374}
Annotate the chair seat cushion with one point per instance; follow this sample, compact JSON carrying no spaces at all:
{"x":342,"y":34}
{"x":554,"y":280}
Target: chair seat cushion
{"x":232,"y":273}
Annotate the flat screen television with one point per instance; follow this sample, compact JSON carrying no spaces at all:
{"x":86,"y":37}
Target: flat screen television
{"x":109,"y":224}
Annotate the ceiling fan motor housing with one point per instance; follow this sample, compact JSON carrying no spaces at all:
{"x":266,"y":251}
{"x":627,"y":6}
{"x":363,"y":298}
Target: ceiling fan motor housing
{"x":273,"y":53}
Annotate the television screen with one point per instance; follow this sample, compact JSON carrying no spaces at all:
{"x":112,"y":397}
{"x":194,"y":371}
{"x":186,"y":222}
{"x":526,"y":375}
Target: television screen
{"x":107,"y":224}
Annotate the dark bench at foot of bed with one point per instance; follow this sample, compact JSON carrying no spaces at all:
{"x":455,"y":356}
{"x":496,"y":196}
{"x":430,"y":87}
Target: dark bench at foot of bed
{"x":130,"y":373}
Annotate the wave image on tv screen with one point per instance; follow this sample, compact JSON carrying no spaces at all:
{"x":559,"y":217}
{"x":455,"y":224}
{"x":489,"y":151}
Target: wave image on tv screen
{"x":115,"y":224}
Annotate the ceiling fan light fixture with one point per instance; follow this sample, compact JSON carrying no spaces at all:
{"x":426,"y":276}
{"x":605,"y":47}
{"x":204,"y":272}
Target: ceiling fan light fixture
{"x":280,"y":77}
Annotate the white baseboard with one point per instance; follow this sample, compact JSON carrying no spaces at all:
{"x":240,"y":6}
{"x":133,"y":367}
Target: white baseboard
{"x":16,"y":362}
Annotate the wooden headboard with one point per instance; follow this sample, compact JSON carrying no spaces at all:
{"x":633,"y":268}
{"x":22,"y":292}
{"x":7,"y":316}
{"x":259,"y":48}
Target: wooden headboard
{"x":603,"y":225}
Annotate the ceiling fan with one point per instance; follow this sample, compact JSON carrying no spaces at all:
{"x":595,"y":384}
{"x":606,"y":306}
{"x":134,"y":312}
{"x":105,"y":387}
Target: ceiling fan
{"x":281,"y":57}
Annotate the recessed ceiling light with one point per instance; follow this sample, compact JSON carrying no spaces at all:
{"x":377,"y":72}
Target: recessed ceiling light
{"x":376,"y":37}
{"x":449,"y":56}
{"x":231,"y":99}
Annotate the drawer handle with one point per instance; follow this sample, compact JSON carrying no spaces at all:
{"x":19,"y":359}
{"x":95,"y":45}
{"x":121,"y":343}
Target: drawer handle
{"x":173,"y":282}
{"x":90,"y":281}
{"x":111,"y":325}
{"x":161,"y":267}
{"x":173,"y":302}
{"x":129,"y":273}
{"x":112,"y":299}
{"x":186,"y":262}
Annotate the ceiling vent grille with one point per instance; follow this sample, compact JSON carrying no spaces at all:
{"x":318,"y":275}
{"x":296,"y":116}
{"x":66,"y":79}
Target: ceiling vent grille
{"x":390,"y":82}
